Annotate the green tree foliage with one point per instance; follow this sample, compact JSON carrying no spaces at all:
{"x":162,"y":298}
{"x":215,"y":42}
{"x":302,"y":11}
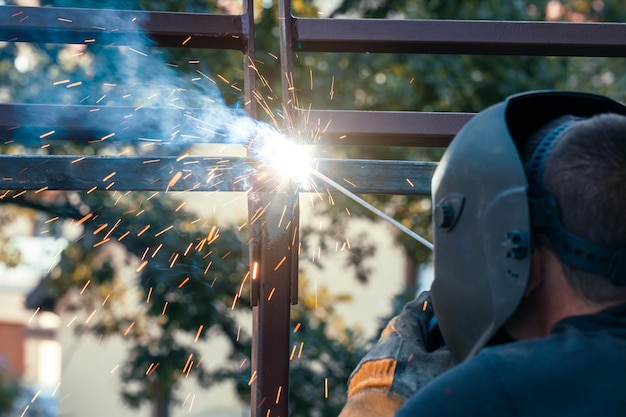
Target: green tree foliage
{"x":187,"y":273}
{"x":9,"y":391}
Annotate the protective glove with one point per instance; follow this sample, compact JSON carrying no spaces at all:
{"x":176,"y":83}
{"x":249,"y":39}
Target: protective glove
{"x":398,"y":365}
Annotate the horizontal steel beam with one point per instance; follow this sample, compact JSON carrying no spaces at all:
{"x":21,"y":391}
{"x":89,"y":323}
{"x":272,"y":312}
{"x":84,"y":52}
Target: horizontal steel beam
{"x":37,"y":123}
{"x":34,"y":123}
{"x":384,"y":128}
{"x":122,"y":27}
{"x":460,"y":37}
{"x":77,"y":172}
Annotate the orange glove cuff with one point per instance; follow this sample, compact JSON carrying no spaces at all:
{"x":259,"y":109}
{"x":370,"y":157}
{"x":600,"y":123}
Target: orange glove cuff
{"x":376,"y":374}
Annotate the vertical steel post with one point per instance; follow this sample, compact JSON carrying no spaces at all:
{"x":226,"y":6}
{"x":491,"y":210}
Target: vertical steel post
{"x":273,"y":258}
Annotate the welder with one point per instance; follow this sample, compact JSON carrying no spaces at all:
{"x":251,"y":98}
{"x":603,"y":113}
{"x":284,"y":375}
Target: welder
{"x":529,"y":228}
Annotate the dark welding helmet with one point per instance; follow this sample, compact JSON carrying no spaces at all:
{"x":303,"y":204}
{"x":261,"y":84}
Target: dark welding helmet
{"x":481,"y":215}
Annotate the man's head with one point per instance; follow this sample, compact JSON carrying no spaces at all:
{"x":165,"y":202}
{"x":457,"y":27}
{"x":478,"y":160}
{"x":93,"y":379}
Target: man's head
{"x":487,"y":219}
{"x":585,"y":172}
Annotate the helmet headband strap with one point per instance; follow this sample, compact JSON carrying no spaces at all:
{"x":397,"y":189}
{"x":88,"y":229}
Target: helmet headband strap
{"x":575,"y":250}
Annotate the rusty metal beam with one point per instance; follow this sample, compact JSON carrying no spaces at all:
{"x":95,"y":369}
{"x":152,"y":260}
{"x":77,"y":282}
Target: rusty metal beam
{"x":384,"y":128}
{"x":121,"y":27}
{"x":77,"y":172}
{"x":460,"y":37}
{"x":199,"y":173}
{"x":84,"y":123}
{"x":273,"y":256}
{"x":334,"y":127}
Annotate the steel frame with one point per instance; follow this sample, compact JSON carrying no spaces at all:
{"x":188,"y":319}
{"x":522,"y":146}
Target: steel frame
{"x":273,"y":291}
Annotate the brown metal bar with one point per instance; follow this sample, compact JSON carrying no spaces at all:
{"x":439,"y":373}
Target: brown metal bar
{"x":384,"y":128}
{"x":249,"y":72}
{"x":122,"y":27}
{"x":75,"y":172}
{"x":461,"y":37}
{"x":198,"y":173}
{"x":378,"y":177}
{"x":87,"y":123}
{"x":273,"y":232}
{"x":335,"y":127}
{"x":275,"y":224}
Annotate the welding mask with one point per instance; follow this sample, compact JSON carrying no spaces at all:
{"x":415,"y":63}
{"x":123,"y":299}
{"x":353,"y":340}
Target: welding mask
{"x":482,"y":221}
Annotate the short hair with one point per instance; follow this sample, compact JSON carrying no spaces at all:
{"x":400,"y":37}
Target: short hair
{"x":586,"y":174}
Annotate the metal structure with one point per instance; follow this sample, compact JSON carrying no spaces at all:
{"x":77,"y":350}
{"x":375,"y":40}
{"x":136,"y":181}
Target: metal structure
{"x":273,"y":289}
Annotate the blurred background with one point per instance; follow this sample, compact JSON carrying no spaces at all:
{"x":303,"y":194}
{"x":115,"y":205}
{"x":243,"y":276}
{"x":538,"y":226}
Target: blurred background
{"x":88,"y":328}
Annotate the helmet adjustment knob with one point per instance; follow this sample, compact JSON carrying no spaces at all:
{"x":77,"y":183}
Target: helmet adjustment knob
{"x":448,"y":210}
{"x":515,"y":244}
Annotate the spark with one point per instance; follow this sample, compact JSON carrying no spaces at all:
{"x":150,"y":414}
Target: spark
{"x":60,"y":82}
{"x":129,"y":328}
{"x":186,"y":40}
{"x":213,"y":235}
{"x":174,"y":180}
{"x":142,"y":266}
{"x":84,"y":219}
{"x":146,"y":227}
{"x":152,"y":368}
{"x":76,"y":84}
{"x":410,"y":183}
{"x":115,"y":368}
{"x":164,"y":308}
{"x":252,"y":378}
{"x":174,"y":259}
{"x":282,"y":261}
{"x":198,"y":333}
{"x":188,"y":248}
{"x":100,"y":228}
{"x":85,"y":286}
{"x":280,"y":389}
{"x":93,"y":313}
{"x":71,"y":321}
{"x":164,"y":230}
{"x":138,"y":52}
{"x":325,"y":387}
{"x":149,"y":295}
{"x":34,"y":314}
{"x":106,"y":237}
{"x":255,"y":270}
{"x":45,"y":135}
{"x":157,"y":250}
{"x":186,"y":280}
{"x":187,"y":367}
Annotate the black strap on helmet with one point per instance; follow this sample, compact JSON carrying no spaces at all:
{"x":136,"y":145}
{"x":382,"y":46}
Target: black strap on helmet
{"x":577,"y":251}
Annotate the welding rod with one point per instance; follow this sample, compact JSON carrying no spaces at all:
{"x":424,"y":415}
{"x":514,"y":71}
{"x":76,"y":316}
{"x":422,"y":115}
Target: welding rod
{"x":371,"y":208}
